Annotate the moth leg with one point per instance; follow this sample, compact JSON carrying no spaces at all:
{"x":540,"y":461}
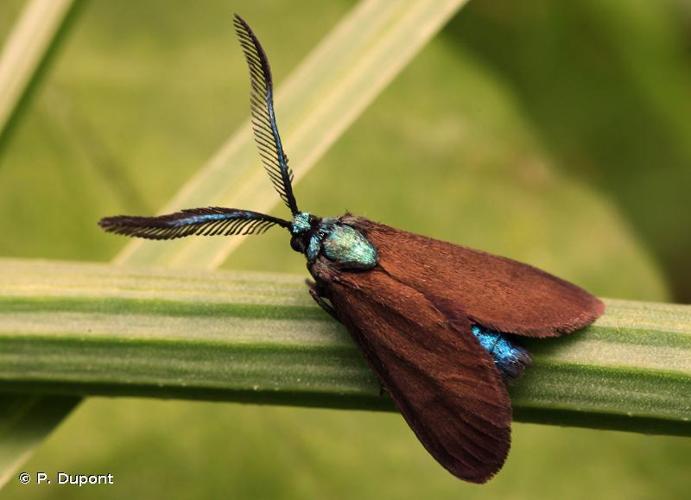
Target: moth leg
{"x":320,"y":299}
{"x":383,"y":391}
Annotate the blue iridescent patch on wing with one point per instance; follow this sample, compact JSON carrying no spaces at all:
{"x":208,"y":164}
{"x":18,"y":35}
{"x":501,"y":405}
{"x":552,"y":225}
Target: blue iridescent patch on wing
{"x":509,"y":358}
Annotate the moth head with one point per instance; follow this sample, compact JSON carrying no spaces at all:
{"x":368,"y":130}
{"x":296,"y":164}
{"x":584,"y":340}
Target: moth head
{"x":302,"y":227}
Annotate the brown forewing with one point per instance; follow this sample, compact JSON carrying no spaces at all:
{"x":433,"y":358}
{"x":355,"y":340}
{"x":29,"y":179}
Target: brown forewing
{"x":498,"y":293}
{"x":443,"y":382}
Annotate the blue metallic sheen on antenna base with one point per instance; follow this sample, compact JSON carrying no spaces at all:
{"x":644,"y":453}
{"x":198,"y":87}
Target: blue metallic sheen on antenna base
{"x":301,"y":223}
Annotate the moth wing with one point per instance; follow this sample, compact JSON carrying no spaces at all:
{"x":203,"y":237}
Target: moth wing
{"x":496,"y":292}
{"x":443,"y":382}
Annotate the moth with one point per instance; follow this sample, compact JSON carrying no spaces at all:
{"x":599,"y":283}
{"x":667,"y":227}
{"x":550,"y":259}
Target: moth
{"x":437,"y":322}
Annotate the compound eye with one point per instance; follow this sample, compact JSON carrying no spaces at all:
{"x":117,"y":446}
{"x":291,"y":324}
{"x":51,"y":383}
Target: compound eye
{"x":297,"y":244}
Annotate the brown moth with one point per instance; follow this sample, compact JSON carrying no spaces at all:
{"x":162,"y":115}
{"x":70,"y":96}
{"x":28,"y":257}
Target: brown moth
{"x":437,"y":322}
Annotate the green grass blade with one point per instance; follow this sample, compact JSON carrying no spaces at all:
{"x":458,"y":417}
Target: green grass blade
{"x":26,"y":54}
{"x":324,"y":95}
{"x":85,"y":329}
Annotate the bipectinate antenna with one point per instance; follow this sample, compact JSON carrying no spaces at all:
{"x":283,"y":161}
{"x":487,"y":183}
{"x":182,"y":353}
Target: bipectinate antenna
{"x":209,"y":221}
{"x":263,"y":117}
{"x":212,"y":221}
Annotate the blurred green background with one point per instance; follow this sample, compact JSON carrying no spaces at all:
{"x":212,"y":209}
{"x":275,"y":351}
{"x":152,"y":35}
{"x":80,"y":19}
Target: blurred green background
{"x":554,"y":133}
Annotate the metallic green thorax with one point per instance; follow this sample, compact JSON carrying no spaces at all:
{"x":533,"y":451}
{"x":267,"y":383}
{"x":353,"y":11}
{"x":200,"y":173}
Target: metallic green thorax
{"x":349,"y":247}
{"x":338,"y":242}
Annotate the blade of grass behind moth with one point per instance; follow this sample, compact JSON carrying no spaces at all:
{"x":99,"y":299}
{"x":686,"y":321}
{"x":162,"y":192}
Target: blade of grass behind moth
{"x":26,"y":55}
{"x":321,"y":98}
{"x":26,"y":420}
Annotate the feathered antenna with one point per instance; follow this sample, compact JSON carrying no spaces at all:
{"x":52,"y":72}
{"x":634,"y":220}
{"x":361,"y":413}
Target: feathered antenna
{"x":228,"y":221}
{"x":263,"y":118}
{"x":209,"y":221}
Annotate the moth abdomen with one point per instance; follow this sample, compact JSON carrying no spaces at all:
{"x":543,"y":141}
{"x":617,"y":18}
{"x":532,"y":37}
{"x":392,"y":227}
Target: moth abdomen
{"x":510,"y":358}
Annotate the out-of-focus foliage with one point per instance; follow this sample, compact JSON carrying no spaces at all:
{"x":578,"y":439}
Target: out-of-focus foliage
{"x":28,"y":49}
{"x":485,"y":139}
{"x":607,"y":86}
